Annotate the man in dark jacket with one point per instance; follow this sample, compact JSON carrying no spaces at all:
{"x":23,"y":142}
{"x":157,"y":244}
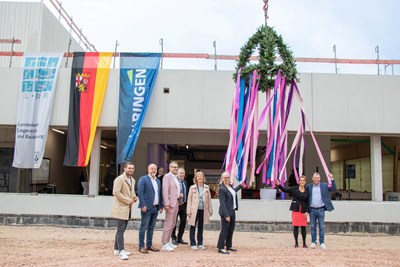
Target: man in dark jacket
{"x":319,"y":201}
{"x":182,"y":210}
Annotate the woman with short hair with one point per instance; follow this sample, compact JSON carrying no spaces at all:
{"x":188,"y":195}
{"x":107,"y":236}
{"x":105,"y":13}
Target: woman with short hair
{"x":299,"y":208}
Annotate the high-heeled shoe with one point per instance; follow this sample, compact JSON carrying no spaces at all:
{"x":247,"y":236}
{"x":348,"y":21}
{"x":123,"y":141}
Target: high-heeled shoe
{"x":223,"y":251}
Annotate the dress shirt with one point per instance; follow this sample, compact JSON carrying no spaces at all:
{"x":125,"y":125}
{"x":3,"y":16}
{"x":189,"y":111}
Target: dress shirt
{"x":155,"y":187}
{"x":316,"y":198}
{"x":178,"y":184}
{"x":233,"y":192}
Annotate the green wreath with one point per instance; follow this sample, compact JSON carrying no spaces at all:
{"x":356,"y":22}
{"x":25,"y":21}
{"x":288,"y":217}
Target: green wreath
{"x":269,"y":44}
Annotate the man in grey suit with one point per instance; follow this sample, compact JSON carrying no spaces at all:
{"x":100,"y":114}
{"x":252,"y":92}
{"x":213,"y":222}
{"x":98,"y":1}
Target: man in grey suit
{"x":319,"y":200}
{"x":150,"y":204}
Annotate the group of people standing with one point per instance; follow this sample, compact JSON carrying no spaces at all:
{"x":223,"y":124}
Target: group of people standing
{"x":310,"y":200}
{"x":192,"y":205}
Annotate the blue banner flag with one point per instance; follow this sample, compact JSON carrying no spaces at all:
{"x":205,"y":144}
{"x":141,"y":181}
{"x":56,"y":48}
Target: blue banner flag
{"x":138,"y":72}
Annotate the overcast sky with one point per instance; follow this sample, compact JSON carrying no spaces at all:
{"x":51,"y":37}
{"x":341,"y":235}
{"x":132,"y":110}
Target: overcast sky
{"x":310,"y":27}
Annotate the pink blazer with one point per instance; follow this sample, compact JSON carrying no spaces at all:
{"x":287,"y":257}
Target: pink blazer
{"x":170,"y":190}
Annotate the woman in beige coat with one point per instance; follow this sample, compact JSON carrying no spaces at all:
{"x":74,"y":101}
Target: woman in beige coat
{"x":199,"y":209}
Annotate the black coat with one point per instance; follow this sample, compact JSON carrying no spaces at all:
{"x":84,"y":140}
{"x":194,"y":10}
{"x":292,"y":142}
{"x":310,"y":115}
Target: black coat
{"x":299,"y":199}
{"x":226,"y":201}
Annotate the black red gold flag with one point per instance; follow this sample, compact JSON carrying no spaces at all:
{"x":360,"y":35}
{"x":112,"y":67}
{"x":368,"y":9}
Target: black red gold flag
{"x":89,"y":78}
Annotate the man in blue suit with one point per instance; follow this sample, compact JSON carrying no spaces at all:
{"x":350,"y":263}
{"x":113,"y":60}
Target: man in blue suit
{"x":319,"y":200}
{"x":150,"y":204}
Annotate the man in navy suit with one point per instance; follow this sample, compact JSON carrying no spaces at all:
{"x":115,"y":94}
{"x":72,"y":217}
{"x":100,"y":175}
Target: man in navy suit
{"x":150,"y":204}
{"x":319,"y":200}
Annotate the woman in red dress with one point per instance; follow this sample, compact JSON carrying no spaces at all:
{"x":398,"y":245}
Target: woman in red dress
{"x":299,"y":208}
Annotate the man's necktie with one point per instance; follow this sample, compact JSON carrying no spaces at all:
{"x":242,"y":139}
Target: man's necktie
{"x":183,"y":192}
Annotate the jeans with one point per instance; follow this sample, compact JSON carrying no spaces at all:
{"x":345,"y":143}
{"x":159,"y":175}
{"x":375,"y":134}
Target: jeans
{"x":317,"y":216}
{"x":119,"y":235}
{"x":148,"y":223}
{"x":200,"y":225}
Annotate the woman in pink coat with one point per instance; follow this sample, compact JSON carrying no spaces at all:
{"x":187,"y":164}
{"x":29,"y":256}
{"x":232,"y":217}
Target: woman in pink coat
{"x":199,"y":209}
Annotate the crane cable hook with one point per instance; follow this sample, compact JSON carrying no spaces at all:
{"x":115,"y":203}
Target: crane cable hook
{"x":265,"y":8}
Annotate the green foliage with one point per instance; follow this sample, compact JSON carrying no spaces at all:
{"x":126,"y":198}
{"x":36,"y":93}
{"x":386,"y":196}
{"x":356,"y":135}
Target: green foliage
{"x":269,"y":45}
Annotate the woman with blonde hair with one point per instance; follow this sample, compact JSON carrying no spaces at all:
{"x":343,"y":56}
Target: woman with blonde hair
{"x":228,"y":204}
{"x":199,"y":209}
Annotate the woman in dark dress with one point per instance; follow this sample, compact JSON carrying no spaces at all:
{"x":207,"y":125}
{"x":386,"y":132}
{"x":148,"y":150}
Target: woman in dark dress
{"x":299,"y":208}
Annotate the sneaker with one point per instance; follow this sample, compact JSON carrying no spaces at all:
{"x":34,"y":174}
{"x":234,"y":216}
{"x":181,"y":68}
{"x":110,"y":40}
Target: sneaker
{"x":322,"y":246}
{"x":116,"y":252}
{"x":201,"y":247}
{"x":172,"y":245}
{"x":313,"y":245}
{"x":167,"y":248}
{"x":122,"y":255}
{"x":194,"y":247}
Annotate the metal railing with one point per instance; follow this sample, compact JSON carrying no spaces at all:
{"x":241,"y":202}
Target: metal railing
{"x":72,"y":26}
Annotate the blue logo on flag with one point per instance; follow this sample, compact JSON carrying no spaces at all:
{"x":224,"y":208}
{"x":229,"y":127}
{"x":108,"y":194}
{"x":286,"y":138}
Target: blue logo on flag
{"x":138,"y":72}
{"x":39,"y":74}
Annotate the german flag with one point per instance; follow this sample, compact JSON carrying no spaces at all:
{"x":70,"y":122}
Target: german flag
{"x":89,"y":77}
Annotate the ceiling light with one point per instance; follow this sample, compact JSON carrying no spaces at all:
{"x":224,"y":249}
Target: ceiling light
{"x":58,"y":131}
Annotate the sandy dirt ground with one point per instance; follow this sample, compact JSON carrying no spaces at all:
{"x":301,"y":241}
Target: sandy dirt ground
{"x":56,"y":246}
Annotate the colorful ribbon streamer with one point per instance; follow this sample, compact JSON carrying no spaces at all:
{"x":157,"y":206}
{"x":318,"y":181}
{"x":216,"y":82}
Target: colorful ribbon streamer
{"x":245,"y":126}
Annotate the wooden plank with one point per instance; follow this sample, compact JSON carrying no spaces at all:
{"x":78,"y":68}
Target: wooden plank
{"x":10,"y":41}
{"x":254,"y":58}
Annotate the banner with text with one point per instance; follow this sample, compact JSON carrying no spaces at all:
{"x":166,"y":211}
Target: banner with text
{"x":89,"y":79}
{"x":35,"y":103}
{"x":138,"y":72}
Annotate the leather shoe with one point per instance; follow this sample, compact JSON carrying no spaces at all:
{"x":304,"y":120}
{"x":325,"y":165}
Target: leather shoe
{"x":174,"y":242}
{"x":181,"y":241}
{"x":142,"y":250}
{"x":223,"y":251}
{"x":231,"y":249}
{"x":153,"y":249}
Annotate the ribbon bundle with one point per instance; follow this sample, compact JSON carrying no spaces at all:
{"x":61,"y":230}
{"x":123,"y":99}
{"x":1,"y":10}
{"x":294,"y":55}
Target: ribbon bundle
{"x":240,"y":159}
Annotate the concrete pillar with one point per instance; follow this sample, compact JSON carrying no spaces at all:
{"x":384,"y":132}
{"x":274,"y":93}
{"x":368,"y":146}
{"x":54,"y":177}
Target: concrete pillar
{"x":376,"y":168}
{"x":311,"y":158}
{"x":94,"y":178}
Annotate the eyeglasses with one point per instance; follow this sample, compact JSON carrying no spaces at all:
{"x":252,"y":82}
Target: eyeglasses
{"x":174,"y":167}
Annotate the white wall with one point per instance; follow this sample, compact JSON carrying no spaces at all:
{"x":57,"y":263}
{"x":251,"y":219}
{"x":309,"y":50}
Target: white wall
{"x":356,"y":104}
{"x":249,"y":210}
